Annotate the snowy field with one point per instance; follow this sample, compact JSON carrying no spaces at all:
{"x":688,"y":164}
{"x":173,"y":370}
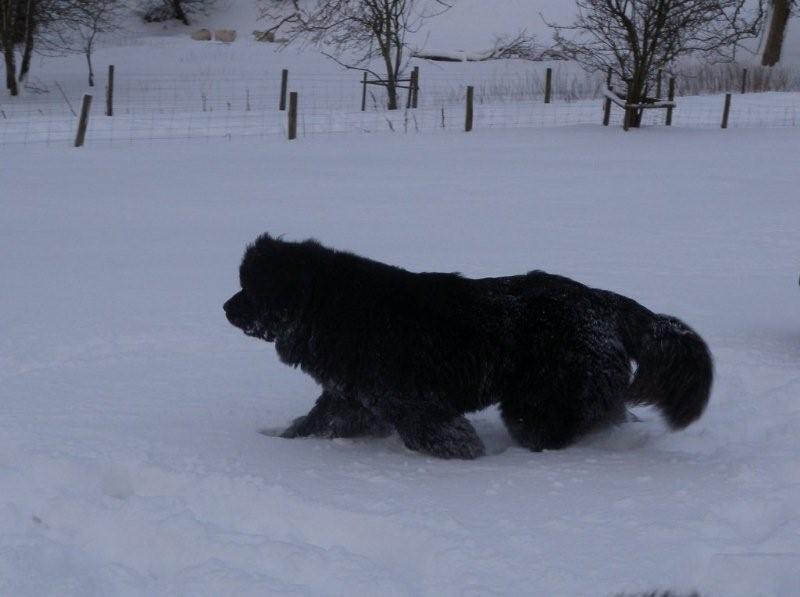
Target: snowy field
{"x":130,"y":458}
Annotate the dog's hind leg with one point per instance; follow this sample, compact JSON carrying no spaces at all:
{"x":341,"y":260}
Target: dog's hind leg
{"x":455,"y":438}
{"x":336,"y":416}
{"x":553,"y":414}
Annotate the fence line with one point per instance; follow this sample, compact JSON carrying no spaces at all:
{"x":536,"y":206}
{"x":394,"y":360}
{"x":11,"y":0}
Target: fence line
{"x":162,"y":107}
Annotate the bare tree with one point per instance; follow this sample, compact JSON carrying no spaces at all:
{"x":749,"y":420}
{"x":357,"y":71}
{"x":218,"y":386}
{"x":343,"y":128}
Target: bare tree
{"x":779,"y":13}
{"x":354,"y":32}
{"x":20,"y":22}
{"x":52,"y":27}
{"x":35,"y":17}
{"x":89,"y":19}
{"x":30,"y":27}
{"x":637,"y":38}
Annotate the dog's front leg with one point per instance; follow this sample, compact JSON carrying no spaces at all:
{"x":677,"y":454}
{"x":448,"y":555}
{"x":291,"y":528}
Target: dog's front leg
{"x":337,"y":416}
{"x":455,"y":438}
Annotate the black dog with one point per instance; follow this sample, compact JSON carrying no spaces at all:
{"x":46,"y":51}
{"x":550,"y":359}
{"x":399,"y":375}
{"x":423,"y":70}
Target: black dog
{"x":415,"y":351}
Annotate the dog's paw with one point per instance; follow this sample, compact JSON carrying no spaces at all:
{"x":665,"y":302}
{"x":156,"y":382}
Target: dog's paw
{"x":456,"y":439}
{"x":460,"y":440}
{"x":298,"y":428}
{"x":462,"y":450}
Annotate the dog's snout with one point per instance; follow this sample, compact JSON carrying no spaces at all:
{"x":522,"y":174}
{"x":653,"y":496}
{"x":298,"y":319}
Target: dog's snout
{"x":233,"y":304}
{"x":232,"y":308}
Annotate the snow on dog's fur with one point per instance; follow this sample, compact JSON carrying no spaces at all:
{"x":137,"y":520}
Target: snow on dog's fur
{"x":416,"y":351}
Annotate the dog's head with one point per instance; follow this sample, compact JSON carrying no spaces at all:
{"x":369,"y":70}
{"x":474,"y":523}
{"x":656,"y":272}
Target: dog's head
{"x":276,"y":280}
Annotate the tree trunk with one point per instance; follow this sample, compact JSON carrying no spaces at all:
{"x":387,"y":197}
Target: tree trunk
{"x":27,"y":53}
{"x":91,"y":69}
{"x":637,"y":90}
{"x":780,"y":12}
{"x":391,"y":91}
{"x":384,"y":36}
{"x":636,"y":118}
{"x":7,"y":34}
{"x":180,"y":14}
{"x":391,"y":77}
{"x":11,"y":67}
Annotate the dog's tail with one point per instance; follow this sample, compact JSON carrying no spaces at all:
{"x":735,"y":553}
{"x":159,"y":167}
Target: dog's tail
{"x":675,"y":369}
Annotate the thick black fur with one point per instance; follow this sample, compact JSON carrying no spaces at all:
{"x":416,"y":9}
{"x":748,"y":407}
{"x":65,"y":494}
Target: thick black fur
{"x":416,"y":351}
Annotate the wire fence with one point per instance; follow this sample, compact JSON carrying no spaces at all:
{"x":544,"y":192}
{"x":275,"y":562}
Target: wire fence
{"x":150,"y":107}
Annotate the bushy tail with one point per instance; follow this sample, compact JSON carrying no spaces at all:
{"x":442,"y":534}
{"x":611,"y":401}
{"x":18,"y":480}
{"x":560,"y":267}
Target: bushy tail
{"x":675,"y":370}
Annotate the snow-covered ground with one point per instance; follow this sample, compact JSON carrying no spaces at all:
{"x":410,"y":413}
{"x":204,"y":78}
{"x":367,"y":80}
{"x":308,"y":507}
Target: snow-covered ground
{"x":130,"y":458}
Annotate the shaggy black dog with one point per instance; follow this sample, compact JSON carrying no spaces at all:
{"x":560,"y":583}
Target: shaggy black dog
{"x":415,"y":351}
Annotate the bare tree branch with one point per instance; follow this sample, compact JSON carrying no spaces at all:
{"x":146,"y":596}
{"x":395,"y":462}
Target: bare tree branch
{"x":353,"y":33}
{"x":521,"y":46}
{"x":634,"y":39}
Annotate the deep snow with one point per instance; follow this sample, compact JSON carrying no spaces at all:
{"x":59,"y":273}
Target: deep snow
{"x":130,"y":458}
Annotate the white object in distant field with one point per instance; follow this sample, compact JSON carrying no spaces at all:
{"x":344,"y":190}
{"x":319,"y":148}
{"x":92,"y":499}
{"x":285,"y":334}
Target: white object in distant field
{"x":202,"y":35}
{"x":225,"y":35}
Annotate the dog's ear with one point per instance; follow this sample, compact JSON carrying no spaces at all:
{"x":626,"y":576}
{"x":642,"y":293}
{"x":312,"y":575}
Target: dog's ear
{"x":279,"y":273}
{"x":258,"y":254}
{"x":264,"y":242}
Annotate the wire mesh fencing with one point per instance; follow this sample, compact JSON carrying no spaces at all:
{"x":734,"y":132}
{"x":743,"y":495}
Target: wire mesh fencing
{"x":147,"y":107}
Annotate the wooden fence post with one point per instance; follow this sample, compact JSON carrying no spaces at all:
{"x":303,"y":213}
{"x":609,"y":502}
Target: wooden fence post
{"x":415,"y":87}
{"x":83,"y":122}
{"x":110,"y":91}
{"x":468,"y":121}
{"x":284,"y":86}
{"x":548,"y":85}
{"x":607,"y":107}
{"x":364,"y":92}
{"x":726,"y":111}
{"x":672,"y":99}
{"x":744,"y":81}
{"x":411,"y":101}
{"x":293,"y":115}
